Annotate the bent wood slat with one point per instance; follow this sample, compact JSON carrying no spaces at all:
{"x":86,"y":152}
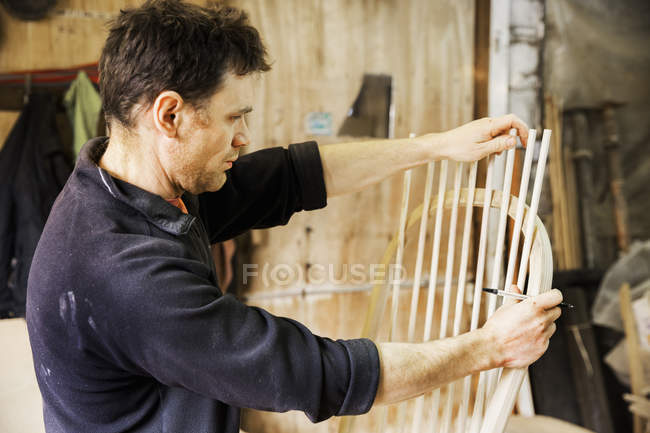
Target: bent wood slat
{"x":495,"y":418}
{"x":539,"y":281}
{"x":524,"y":394}
{"x":371,"y":324}
{"x":511,"y":266}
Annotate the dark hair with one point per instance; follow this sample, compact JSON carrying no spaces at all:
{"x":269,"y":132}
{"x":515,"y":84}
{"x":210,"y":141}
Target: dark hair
{"x":172,"y":45}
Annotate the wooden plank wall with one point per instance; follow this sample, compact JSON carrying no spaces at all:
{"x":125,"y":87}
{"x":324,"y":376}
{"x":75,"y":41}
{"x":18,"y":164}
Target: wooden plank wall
{"x":60,"y":40}
{"x":320,"y":50}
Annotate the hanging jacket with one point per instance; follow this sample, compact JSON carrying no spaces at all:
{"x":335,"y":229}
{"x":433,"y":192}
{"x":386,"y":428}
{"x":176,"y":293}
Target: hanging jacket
{"x":83,"y":104}
{"x":33,"y":169}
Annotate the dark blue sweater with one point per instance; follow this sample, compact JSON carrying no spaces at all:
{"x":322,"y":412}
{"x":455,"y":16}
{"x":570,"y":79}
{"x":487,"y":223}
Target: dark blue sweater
{"x":130,"y":331}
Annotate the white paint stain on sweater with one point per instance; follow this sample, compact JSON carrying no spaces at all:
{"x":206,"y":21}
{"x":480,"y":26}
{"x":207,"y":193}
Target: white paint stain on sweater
{"x":68,"y":308}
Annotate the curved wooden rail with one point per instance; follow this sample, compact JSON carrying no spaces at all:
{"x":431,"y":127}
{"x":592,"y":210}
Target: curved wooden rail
{"x":541,"y":258}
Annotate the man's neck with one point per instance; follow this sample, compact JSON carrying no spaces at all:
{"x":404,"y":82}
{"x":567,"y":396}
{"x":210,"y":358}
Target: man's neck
{"x":133,"y":161}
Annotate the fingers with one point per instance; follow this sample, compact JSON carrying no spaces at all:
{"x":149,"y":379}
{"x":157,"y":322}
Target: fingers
{"x":515,"y":289}
{"x":549,"y":331}
{"x":550,"y":317}
{"x":501,"y":143}
{"x":548,"y":299}
{"x":553,"y":314}
{"x":502,"y":125}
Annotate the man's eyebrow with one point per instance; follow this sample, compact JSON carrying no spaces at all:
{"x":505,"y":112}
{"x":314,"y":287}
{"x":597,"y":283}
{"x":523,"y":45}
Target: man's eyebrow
{"x":244,"y":110}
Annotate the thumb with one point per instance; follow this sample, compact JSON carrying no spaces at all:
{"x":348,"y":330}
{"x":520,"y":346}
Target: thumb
{"x":501,"y":143}
{"x":515,"y":289}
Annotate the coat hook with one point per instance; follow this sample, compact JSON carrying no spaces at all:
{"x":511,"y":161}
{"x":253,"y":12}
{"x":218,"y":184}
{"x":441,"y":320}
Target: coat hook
{"x":28,"y":88}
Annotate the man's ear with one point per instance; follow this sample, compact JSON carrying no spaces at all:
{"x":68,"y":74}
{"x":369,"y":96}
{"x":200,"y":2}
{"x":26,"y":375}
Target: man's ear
{"x":165,"y":110}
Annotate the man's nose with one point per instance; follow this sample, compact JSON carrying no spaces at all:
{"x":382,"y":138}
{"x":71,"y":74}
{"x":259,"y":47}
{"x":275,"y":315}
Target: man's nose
{"x":240,"y":139}
{"x":242,"y":136}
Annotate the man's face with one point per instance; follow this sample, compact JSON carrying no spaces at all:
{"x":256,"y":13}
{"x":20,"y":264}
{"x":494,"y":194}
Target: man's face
{"x":209,"y":143}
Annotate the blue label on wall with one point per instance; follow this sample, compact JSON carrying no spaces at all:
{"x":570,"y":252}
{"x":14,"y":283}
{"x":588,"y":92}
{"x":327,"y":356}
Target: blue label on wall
{"x":317,"y":123}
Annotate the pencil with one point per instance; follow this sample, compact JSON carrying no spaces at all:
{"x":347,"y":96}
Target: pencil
{"x":518,"y":296}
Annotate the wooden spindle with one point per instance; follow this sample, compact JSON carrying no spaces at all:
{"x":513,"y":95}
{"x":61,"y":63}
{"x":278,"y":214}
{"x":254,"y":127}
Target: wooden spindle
{"x":451,"y":247}
{"x":433,"y":277}
{"x":480,"y":270}
{"x":462,"y":278}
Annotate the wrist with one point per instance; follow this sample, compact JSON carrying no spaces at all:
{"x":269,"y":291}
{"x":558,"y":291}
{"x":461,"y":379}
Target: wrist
{"x":489,"y":349}
{"x":432,"y":146}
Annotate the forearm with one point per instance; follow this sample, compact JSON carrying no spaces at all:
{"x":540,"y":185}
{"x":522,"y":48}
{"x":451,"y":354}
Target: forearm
{"x":350,"y":167}
{"x":515,"y":336}
{"x":411,"y":369}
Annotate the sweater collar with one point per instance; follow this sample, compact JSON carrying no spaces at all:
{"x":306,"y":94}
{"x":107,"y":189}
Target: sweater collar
{"x":163,"y":215}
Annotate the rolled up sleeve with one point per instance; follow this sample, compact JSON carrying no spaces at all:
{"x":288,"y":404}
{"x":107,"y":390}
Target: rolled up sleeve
{"x":264,"y":189}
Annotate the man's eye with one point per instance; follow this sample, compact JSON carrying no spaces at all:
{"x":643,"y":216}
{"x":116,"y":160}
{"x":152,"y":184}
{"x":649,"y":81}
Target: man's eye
{"x":236,"y":117}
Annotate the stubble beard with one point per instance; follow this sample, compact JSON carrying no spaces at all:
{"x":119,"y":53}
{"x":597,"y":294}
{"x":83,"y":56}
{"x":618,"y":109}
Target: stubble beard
{"x":213,"y":182}
{"x":220,"y":181}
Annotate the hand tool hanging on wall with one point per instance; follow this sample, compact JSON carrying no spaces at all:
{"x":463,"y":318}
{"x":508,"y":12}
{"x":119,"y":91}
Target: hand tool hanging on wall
{"x":612,"y":146}
{"x":583,"y":158}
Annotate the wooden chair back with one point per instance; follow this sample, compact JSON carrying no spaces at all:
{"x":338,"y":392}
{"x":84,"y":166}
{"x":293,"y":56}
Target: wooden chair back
{"x":480,"y":404}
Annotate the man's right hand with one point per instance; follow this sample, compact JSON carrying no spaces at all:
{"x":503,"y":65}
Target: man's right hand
{"x":477,"y":139}
{"x":515,"y":336}
{"x":520,"y":332}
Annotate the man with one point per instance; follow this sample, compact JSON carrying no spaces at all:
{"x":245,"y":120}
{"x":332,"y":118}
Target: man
{"x":129,"y":329}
